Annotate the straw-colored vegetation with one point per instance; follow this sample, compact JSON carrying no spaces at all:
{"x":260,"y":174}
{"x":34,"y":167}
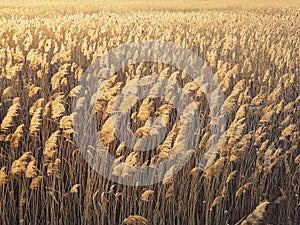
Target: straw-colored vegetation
{"x":254,"y":56}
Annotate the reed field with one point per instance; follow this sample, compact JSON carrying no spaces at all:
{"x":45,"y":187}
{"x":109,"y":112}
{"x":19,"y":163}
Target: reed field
{"x":253,"y":51}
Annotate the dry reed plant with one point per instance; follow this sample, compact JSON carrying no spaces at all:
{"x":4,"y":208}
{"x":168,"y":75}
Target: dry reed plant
{"x":254,"y":56}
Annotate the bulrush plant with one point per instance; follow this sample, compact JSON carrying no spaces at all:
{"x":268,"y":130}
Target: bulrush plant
{"x":254,"y":177}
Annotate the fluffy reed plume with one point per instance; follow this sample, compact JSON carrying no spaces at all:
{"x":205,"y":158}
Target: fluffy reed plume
{"x":288,"y":130}
{"x":8,"y":92}
{"x":191,"y":87}
{"x":260,"y":139}
{"x":47,"y":109}
{"x":233,"y":158}
{"x":17,"y":135}
{"x":258,"y":100}
{"x":266,"y":118}
{"x":169,"y":175}
{"x":37,"y":104}
{"x":146,"y":195}
{"x":216,"y":201}
{"x":241,"y":113}
{"x":57,"y":107}
{"x":231,"y":176}
{"x":264,"y":146}
{"x":66,"y":122}
{"x":11,"y":72}
{"x":275,"y":95}
{"x":121,"y":148}
{"x":170,"y":191}
{"x":204,"y":140}
{"x":78,"y":73}
{"x":143,"y":132}
{"x":224,"y":191}
{"x":56,"y":80}
{"x":51,"y":145}
{"x":195,"y":171}
{"x":75,"y":91}
{"x":4,"y":137}
{"x":75,"y":188}
{"x":145,"y":109}
{"x":3,"y":176}
{"x":226,"y":82}
{"x":80,"y":103}
{"x":54,"y":168}
{"x":243,"y":189}
{"x":230,"y":102}
{"x":266,"y":76}
{"x":36,"y":182}
{"x":31,"y":170}
{"x":107,"y":131}
{"x":257,"y":215}
{"x":12,"y":112}
{"x":244,"y":143}
{"x":117,"y":166}
{"x":286,"y":121}
{"x":215,"y":169}
{"x":135,"y":220}
{"x":222,"y":70}
{"x":132,"y":158}
{"x":165,"y":112}
{"x":236,"y":129}
{"x":279,"y":107}
{"x":20,"y":165}
{"x":289,"y":107}
{"x":35,"y":122}
{"x":33,"y":90}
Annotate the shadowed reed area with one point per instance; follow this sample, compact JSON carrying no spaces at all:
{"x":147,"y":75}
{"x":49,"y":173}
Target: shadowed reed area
{"x":255,"y":58}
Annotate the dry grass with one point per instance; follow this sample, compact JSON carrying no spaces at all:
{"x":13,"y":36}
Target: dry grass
{"x":254,"y":55}
{"x":77,"y":6}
